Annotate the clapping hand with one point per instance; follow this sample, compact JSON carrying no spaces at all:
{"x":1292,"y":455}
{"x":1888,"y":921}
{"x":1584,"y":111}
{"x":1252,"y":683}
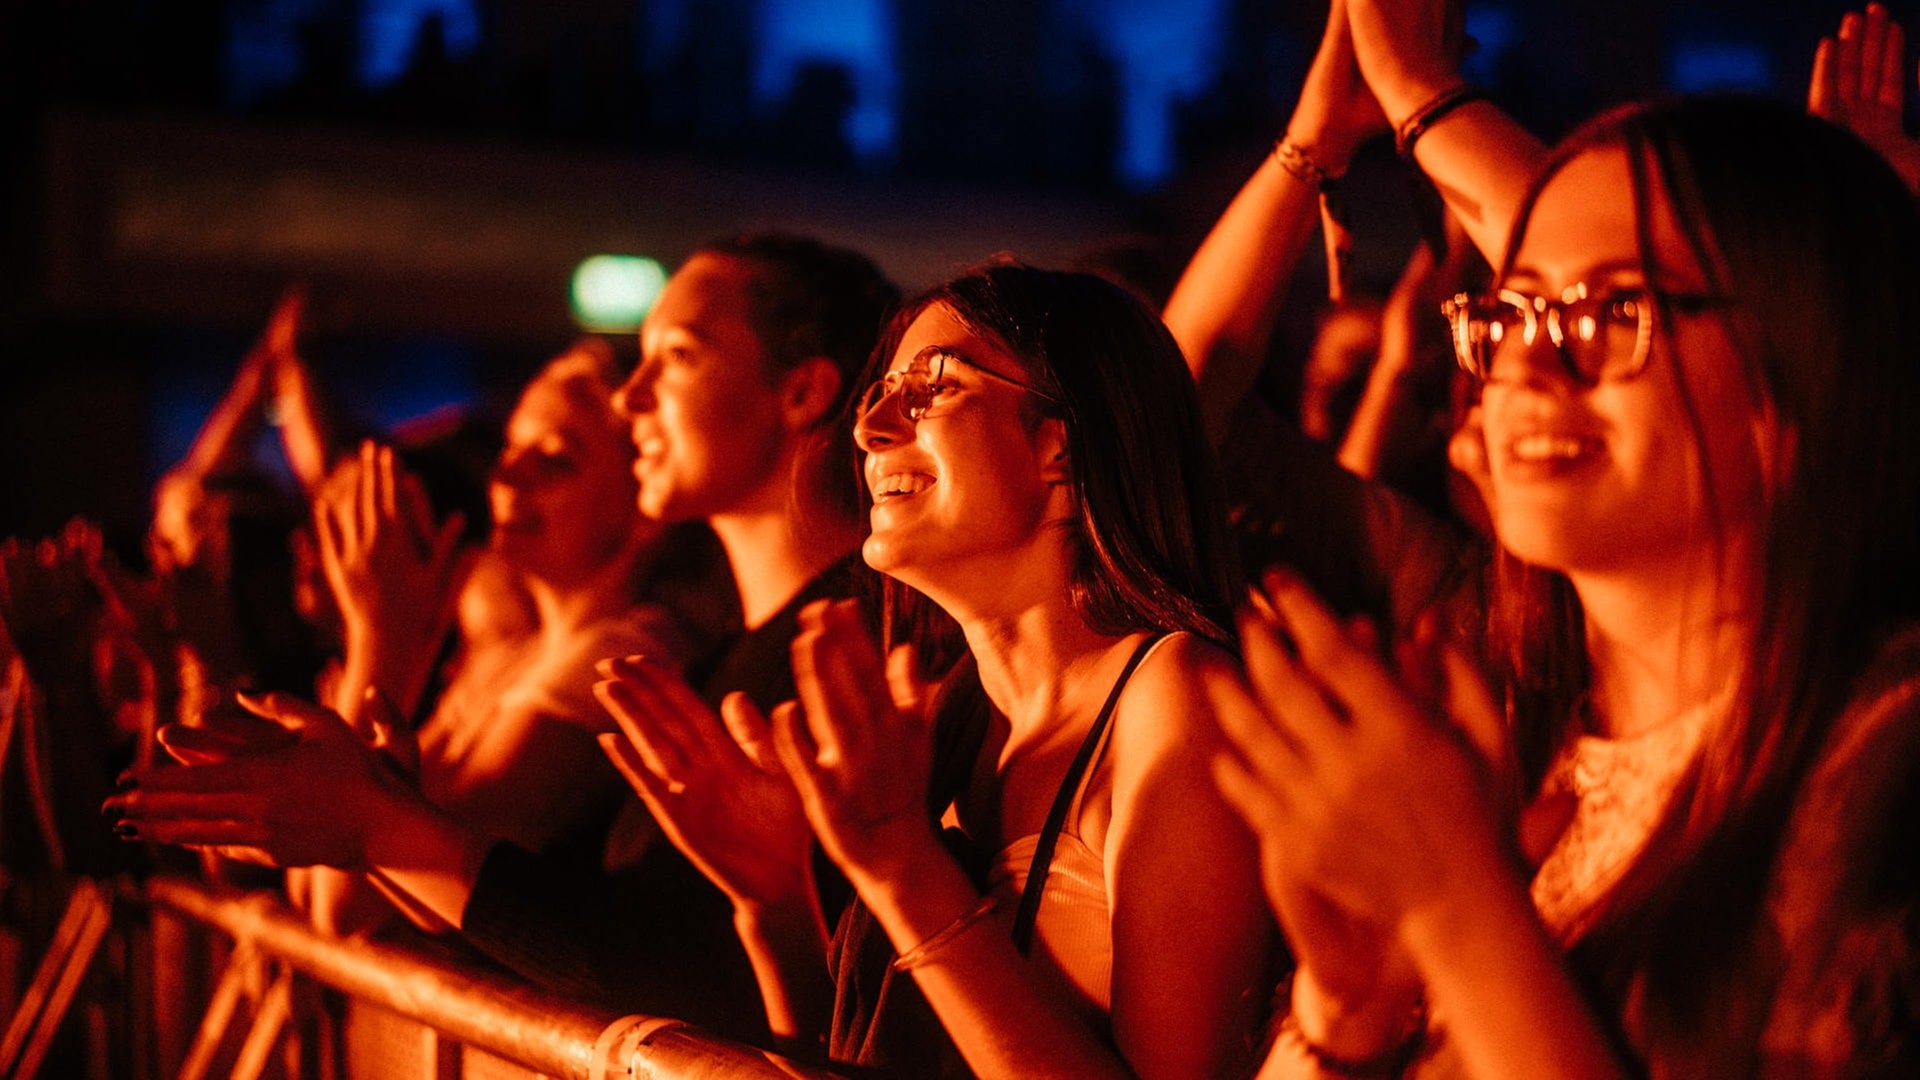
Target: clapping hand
{"x":712,"y":780}
{"x":295,"y":786}
{"x":859,"y":743}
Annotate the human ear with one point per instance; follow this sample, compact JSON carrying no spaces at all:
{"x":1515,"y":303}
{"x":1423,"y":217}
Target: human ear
{"x":808,"y":392}
{"x":1050,"y":445}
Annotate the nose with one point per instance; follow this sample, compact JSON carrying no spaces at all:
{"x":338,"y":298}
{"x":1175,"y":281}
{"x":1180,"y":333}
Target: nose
{"x":510,"y":470}
{"x":635,"y":396}
{"x":884,"y":423}
{"x":1538,"y":364}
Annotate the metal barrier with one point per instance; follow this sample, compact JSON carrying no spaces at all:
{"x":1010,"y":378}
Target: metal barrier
{"x":465,"y":1005}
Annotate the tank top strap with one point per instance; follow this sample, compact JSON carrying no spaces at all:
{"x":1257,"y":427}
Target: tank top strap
{"x":1069,"y":796}
{"x":1071,"y":826}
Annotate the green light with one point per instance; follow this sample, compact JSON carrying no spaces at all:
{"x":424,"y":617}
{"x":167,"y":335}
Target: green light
{"x":613,"y":293}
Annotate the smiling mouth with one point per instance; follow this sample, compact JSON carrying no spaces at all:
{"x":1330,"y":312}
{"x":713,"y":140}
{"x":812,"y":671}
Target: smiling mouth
{"x":1549,"y":449}
{"x":898,"y":485}
{"x":649,"y":451}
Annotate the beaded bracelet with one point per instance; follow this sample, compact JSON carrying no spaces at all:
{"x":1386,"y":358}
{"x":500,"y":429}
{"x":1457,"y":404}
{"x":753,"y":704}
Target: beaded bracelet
{"x":1424,"y":117}
{"x":944,"y":936}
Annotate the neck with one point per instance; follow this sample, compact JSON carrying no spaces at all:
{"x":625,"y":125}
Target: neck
{"x":1659,"y":647}
{"x":772,"y":561}
{"x":1033,"y":650}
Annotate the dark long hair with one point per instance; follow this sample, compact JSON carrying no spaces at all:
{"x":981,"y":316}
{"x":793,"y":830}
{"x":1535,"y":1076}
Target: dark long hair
{"x":1149,"y":536}
{"x":1816,"y":243}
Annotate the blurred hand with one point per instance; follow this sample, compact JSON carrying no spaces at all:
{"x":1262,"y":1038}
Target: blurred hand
{"x":392,"y":568}
{"x":1381,"y":788}
{"x":712,"y":781}
{"x":1859,"y":83}
{"x":308,"y":795}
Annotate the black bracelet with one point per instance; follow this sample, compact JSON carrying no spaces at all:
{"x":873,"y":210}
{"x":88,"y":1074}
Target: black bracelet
{"x":1431,"y":113}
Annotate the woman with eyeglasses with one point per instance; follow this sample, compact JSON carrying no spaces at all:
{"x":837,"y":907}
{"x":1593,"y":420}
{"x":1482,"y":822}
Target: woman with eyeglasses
{"x":1042,"y":496}
{"x":1674,"y":834}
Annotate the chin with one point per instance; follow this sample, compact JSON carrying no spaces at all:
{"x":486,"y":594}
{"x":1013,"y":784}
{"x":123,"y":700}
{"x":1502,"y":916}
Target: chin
{"x":886,"y":555}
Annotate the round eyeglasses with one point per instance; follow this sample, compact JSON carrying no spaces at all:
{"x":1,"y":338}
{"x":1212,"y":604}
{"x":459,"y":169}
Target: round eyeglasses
{"x":920,"y":384}
{"x":1597,"y":336}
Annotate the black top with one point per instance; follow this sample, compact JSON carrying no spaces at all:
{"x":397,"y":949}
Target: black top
{"x":657,"y":937}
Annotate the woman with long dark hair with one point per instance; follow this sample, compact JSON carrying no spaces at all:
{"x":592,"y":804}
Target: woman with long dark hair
{"x":1675,"y":833}
{"x":1033,"y":453}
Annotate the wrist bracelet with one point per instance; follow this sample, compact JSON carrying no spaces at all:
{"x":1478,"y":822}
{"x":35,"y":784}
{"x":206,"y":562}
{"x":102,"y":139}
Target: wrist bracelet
{"x":944,"y":936}
{"x":1436,"y":108}
{"x":1387,"y":1064}
{"x":1299,"y":163}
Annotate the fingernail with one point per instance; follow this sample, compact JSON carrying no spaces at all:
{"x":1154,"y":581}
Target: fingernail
{"x":126,"y":830}
{"x":1276,"y":578}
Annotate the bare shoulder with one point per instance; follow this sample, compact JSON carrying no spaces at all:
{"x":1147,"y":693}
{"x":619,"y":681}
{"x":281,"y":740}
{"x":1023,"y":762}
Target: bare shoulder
{"x":1170,"y":711}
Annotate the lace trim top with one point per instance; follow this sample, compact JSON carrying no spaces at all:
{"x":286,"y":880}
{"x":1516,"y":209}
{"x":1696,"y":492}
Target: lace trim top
{"x":1621,"y":788}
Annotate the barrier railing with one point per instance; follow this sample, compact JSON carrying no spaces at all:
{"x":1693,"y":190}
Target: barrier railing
{"x":464,"y":1004}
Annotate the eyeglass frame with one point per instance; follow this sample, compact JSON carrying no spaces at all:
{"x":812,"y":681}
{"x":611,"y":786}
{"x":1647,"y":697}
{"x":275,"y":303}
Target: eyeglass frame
{"x":1539,"y":309}
{"x":935,"y":357}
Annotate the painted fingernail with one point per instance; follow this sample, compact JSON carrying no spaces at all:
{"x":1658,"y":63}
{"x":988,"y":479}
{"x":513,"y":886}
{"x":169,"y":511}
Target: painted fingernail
{"x":126,"y":830}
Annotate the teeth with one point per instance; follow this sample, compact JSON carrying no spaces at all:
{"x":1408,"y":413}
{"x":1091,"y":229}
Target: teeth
{"x":902,"y":484}
{"x":1548,"y":448}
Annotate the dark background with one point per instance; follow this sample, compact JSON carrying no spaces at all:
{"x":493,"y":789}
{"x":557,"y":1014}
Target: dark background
{"x":434,"y":171}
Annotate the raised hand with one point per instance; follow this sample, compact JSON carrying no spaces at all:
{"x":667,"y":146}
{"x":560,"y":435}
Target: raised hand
{"x":306,"y":797}
{"x":859,"y":743}
{"x":1407,"y":49}
{"x":1336,"y":111}
{"x":392,"y":570}
{"x":712,"y":781}
{"x":1859,"y":82}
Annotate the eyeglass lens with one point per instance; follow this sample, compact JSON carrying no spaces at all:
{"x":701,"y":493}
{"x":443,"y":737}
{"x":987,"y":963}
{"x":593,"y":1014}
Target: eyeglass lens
{"x":1597,"y":337}
{"x":915,"y":385}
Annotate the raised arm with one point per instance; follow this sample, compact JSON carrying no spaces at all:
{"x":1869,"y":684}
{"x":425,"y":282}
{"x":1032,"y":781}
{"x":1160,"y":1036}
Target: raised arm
{"x":306,"y":430}
{"x":1223,"y":308}
{"x":1477,"y":156}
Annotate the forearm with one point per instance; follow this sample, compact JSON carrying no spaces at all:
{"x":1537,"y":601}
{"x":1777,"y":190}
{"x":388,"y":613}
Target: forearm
{"x":1374,"y":443}
{"x":1479,"y":158}
{"x":229,"y":430}
{"x":1510,"y":1007}
{"x":786,"y":942}
{"x":397,"y":660}
{"x":991,"y":1000}
{"x":305,"y":431}
{"x":1223,"y":309}
{"x":428,"y":858}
